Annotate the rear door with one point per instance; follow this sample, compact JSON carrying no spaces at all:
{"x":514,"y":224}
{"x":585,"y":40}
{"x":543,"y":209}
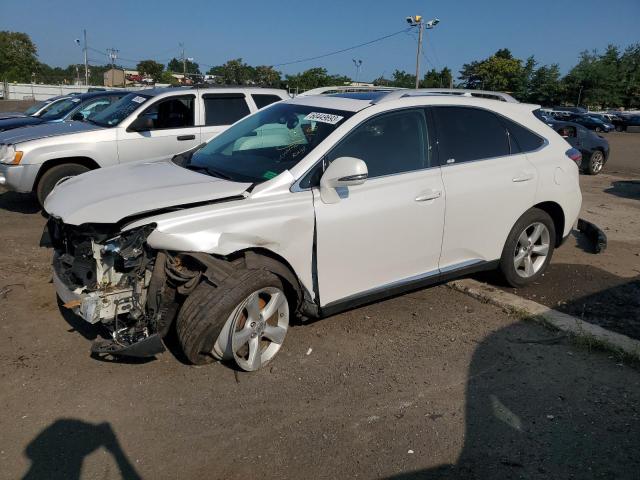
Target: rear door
{"x":220,"y":111}
{"x":488,"y":183}
{"x":174,"y":130}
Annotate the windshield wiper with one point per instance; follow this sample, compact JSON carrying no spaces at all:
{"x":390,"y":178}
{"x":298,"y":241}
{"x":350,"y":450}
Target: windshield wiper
{"x":209,"y":170}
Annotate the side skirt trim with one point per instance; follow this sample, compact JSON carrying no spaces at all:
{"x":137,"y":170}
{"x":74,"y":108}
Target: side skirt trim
{"x":403,"y":286}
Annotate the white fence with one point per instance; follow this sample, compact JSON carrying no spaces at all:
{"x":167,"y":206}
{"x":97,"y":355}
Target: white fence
{"x":28,"y":91}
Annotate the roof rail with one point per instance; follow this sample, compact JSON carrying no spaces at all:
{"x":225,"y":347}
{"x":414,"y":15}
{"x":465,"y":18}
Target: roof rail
{"x":464,"y":92}
{"x":348,"y":88}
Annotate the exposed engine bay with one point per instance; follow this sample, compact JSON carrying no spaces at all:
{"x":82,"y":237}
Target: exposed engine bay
{"x":116,"y":280}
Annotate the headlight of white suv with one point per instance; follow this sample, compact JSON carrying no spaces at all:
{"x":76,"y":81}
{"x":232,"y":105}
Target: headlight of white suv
{"x":9,"y":155}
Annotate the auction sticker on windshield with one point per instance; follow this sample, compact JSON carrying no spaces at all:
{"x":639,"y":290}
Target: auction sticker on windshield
{"x":323,"y":117}
{"x":138,"y":99}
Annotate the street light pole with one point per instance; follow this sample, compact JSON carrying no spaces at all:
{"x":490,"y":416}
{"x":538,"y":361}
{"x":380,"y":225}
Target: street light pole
{"x":358,"y":64}
{"x":420,"y":30}
{"x":416,"y":21}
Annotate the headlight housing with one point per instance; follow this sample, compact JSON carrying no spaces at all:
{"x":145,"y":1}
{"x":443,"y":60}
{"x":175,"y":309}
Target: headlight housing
{"x":9,"y":155}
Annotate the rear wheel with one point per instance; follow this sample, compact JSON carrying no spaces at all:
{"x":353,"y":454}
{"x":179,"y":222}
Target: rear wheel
{"x":598,"y":129}
{"x":51,"y":177}
{"x":596,"y":162}
{"x":528,"y":248}
{"x":619,"y":128}
{"x":245,"y":319}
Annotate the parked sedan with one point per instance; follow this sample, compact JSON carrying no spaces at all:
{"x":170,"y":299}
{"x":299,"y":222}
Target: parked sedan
{"x":627,"y":123}
{"x":592,"y":123}
{"x":72,"y":107}
{"x":594,"y":148}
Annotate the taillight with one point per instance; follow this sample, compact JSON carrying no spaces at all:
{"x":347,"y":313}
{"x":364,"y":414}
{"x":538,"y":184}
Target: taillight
{"x":575,"y":155}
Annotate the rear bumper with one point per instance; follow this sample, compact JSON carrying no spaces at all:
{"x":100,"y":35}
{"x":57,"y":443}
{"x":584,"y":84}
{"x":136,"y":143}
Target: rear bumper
{"x":19,"y":178}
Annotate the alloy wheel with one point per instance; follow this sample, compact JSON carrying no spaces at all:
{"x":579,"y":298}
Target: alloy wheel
{"x":597,"y":162}
{"x":255,"y":330}
{"x":531,"y":250}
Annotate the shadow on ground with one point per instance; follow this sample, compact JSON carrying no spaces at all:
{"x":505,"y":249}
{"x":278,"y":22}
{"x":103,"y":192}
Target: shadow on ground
{"x":625,"y":189}
{"x":57,"y":453}
{"x":532,"y":411}
{"x":19,"y":202}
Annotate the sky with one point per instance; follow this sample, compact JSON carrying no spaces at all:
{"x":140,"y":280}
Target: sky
{"x":273,"y":32}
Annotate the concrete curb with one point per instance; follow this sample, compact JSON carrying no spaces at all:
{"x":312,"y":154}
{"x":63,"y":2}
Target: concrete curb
{"x":561,"y":321}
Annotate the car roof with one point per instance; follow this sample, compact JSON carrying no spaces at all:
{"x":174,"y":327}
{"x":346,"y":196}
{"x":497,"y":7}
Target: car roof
{"x":152,"y":92}
{"x":102,"y":93}
{"x":356,"y":101}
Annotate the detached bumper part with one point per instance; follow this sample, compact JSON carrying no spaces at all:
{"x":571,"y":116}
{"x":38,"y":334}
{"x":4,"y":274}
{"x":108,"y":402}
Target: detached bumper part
{"x":147,"y":347}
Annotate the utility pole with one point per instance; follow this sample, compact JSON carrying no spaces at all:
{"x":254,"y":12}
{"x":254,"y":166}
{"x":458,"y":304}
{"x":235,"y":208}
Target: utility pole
{"x":358,"y":64}
{"x":113,"y":54}
{"x":86,"y":63}
{"x":184,"y":64}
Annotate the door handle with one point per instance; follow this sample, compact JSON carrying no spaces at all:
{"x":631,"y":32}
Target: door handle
{"x":430,"y":195}
{"x":523,"y":177}
{"x":186,"y":137}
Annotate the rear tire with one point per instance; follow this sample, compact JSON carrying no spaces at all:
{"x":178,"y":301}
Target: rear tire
{"x":205,"y":312}
{"x":52,"y":176}
{"x":528,"y":249}
{"x":596,"y":163}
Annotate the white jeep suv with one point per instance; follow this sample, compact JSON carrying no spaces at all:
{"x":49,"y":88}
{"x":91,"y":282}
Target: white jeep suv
{"x":305,"y":208}
{"x":152,"y":124}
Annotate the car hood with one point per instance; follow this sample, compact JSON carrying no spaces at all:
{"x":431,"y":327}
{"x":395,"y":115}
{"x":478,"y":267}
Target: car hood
{"x":45,"y":130}
{"x":17,"y":122}
{"x":108,"y":195}
{"x":4,"y":115}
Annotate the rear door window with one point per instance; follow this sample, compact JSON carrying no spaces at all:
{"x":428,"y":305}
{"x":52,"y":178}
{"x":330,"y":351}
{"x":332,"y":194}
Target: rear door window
{"x":224,"y":108}
{"x":262,"y":100}
{"x":467,"y":134}
{"x":521,"y":139}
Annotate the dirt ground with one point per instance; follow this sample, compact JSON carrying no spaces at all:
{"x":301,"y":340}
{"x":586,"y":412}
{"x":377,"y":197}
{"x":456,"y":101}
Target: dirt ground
{"x":432,"y":384}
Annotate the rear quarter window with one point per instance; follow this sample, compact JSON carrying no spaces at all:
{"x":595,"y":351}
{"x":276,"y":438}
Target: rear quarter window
{"x":262,"y":100}
{"x":522,"y":139}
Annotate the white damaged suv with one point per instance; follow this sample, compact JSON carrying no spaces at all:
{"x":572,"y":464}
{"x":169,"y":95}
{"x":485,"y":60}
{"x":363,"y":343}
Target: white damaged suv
{"x":305,"y":208}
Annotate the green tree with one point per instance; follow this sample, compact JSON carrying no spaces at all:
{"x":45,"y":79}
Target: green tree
{"x":18,"y":57}
{"x":545,"y":87}
{"x":403,"y":79}
{"x":150,"y":68}
{"x":437,"y":79}
{"x":267,"y":76}
{"x":234,"y":72}
{"x":166,"y":77}
{"x":314,"y":78}
{"x":176,"y":66}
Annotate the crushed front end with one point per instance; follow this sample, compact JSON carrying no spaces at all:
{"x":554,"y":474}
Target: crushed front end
{"x":116,"y":280}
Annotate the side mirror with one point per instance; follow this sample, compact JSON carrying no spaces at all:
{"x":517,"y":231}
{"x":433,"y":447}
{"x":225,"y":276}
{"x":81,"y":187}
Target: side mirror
{"x":343,"y":172}
{"x":78,"y":116}
{"x":140,"y":124}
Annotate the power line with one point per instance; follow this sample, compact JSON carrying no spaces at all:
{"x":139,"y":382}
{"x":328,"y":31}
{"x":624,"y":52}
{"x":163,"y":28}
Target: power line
{"x":308,"y":59}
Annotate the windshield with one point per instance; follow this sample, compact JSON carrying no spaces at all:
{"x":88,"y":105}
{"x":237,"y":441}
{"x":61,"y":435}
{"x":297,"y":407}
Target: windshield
{"x":34,"y":108}
{"x":267,"y":143}
{"x":60,"y":109}
{"x":117,"y":112}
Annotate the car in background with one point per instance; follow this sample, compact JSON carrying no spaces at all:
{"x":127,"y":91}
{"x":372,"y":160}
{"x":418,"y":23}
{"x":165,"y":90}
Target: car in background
{"x":627,"y":123}
{"x":605,"y":117}
{"x":594,"y":148}
{"x":36,"y":109}
{"x":72,"y":107}
{"x":590,"y":122}
{"x":145,"y":125}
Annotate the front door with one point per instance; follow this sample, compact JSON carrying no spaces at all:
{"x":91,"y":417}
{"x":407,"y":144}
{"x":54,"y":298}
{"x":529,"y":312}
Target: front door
{"x":174,"y":131}
{"x":387,"y":231}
